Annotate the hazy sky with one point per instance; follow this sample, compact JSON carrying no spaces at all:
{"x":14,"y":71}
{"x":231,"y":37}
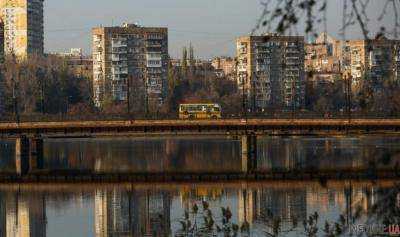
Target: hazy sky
{"x":210,"y":25}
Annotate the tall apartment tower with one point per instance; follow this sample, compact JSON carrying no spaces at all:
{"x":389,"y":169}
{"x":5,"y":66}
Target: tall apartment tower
{"x":270,"y":71}
{"x":374,"y":59}
{"x":23,"y":26}
{"x":129,"y":52}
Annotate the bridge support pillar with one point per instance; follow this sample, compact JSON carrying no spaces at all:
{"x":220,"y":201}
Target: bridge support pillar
{"x":36,"y":153}
{"x":249,"y":153}
{"x":28,"y":154}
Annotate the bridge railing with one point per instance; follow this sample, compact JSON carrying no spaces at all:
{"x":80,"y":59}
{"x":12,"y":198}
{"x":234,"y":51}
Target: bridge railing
{"x":265,"y":115}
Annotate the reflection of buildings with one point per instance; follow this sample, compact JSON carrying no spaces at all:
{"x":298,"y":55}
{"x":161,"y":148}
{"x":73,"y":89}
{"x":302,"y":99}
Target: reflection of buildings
{"x":120,"y":213}
{"x":22,"y":215}
{"x":285,"y":204}
{"x":281,"y":153}
{"x":324,"y":154}
{"x":246,"y":206}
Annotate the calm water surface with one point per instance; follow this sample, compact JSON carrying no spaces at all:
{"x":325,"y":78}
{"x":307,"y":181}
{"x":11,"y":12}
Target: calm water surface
{"x":211,"y":154}
{"x":159,"y":210}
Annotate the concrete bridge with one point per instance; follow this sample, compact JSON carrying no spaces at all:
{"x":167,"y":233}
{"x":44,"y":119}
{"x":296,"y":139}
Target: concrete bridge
{"x":226,"y":126}
{"x":29,"y":136}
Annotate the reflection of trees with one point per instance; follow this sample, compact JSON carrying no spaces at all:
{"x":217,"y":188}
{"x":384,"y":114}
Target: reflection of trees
{"x":139,"y":155}
{"x":344,"y":153}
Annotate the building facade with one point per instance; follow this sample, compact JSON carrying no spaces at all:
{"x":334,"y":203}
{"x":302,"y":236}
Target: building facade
{"x":129,"y":52}
{"x":270,"y":71}
{"x":23,"y":27}
{"x":78,"y":63}
{"x":323,"y":59}
{"x":225,"y":65}
{"x":375,"y":60}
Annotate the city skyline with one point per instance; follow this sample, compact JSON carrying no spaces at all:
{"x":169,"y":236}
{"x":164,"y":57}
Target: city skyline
{"x":211,"y":26}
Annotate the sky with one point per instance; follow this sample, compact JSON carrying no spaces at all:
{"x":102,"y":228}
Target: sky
{"x":211,"y":26}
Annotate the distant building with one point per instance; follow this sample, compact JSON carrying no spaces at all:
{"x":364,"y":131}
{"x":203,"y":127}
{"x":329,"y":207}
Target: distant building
{"x":23,"y":27}
{"x":129,"y":51}
{"x":323,"y":59}
{"x":270,"y":71}
{"x":374,"y":59}
{"x":79,"y":64}
{"x":81,"y":67}
{"x":225,"y":65}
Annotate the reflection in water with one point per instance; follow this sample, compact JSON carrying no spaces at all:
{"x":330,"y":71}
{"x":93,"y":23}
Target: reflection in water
{"x":23,"y":215}
{"x":121,"y":213}
{"x":156,"y":210}
{"x":144,"y":155}
{"x":326,"y":153}
{"x":7,"y":149}
{"x":212,"y":154}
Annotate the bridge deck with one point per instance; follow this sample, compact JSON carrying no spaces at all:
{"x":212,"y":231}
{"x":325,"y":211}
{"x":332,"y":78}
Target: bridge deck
{"x":197,"y":126}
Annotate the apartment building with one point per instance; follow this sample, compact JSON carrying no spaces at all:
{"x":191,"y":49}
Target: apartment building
{"x":375,"y":59}
{"x":129,"y":51}
{"x":270,"y":71}
{"x":323,"y":59}
{"x":78,"y":63}
{"x":23,"y":27}
{"x":225,"y":65}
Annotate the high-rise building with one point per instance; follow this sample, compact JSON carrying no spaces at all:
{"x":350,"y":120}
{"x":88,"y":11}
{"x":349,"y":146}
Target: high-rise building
{"x":270,"y":71}
{"x":373,"y":59}
{"x":23,"y":26}
{"x":129,"y":52}
{"x":323,"y":59}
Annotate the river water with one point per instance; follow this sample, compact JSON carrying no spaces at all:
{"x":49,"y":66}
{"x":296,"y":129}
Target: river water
{"x":211,"y":154}
{"x":159,"y":209}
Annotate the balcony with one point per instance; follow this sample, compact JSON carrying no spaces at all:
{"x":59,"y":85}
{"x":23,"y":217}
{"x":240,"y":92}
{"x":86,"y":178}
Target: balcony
{"x":242,"y":68}
{"x":119,"y":50}
{"x":118,"y":43}
{"x":119,"y":70}
{"x":261,"y":67}
{"x":154,"y":63}
{"x":153,"y":45}
{"x":116,"y":58}
{"x":153,"y":56}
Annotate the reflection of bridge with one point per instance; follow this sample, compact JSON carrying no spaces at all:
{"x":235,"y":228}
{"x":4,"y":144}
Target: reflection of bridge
{"x":29,"y":145}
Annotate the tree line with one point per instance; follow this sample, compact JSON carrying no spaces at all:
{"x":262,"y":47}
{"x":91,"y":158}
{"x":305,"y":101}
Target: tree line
{"x":46,"y":87}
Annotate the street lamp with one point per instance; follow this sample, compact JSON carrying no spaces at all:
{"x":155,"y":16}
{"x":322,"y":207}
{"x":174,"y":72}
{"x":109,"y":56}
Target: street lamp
{"x":15,"y":99}
{"x":40,"y":77}
{"x":348,"y":79}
